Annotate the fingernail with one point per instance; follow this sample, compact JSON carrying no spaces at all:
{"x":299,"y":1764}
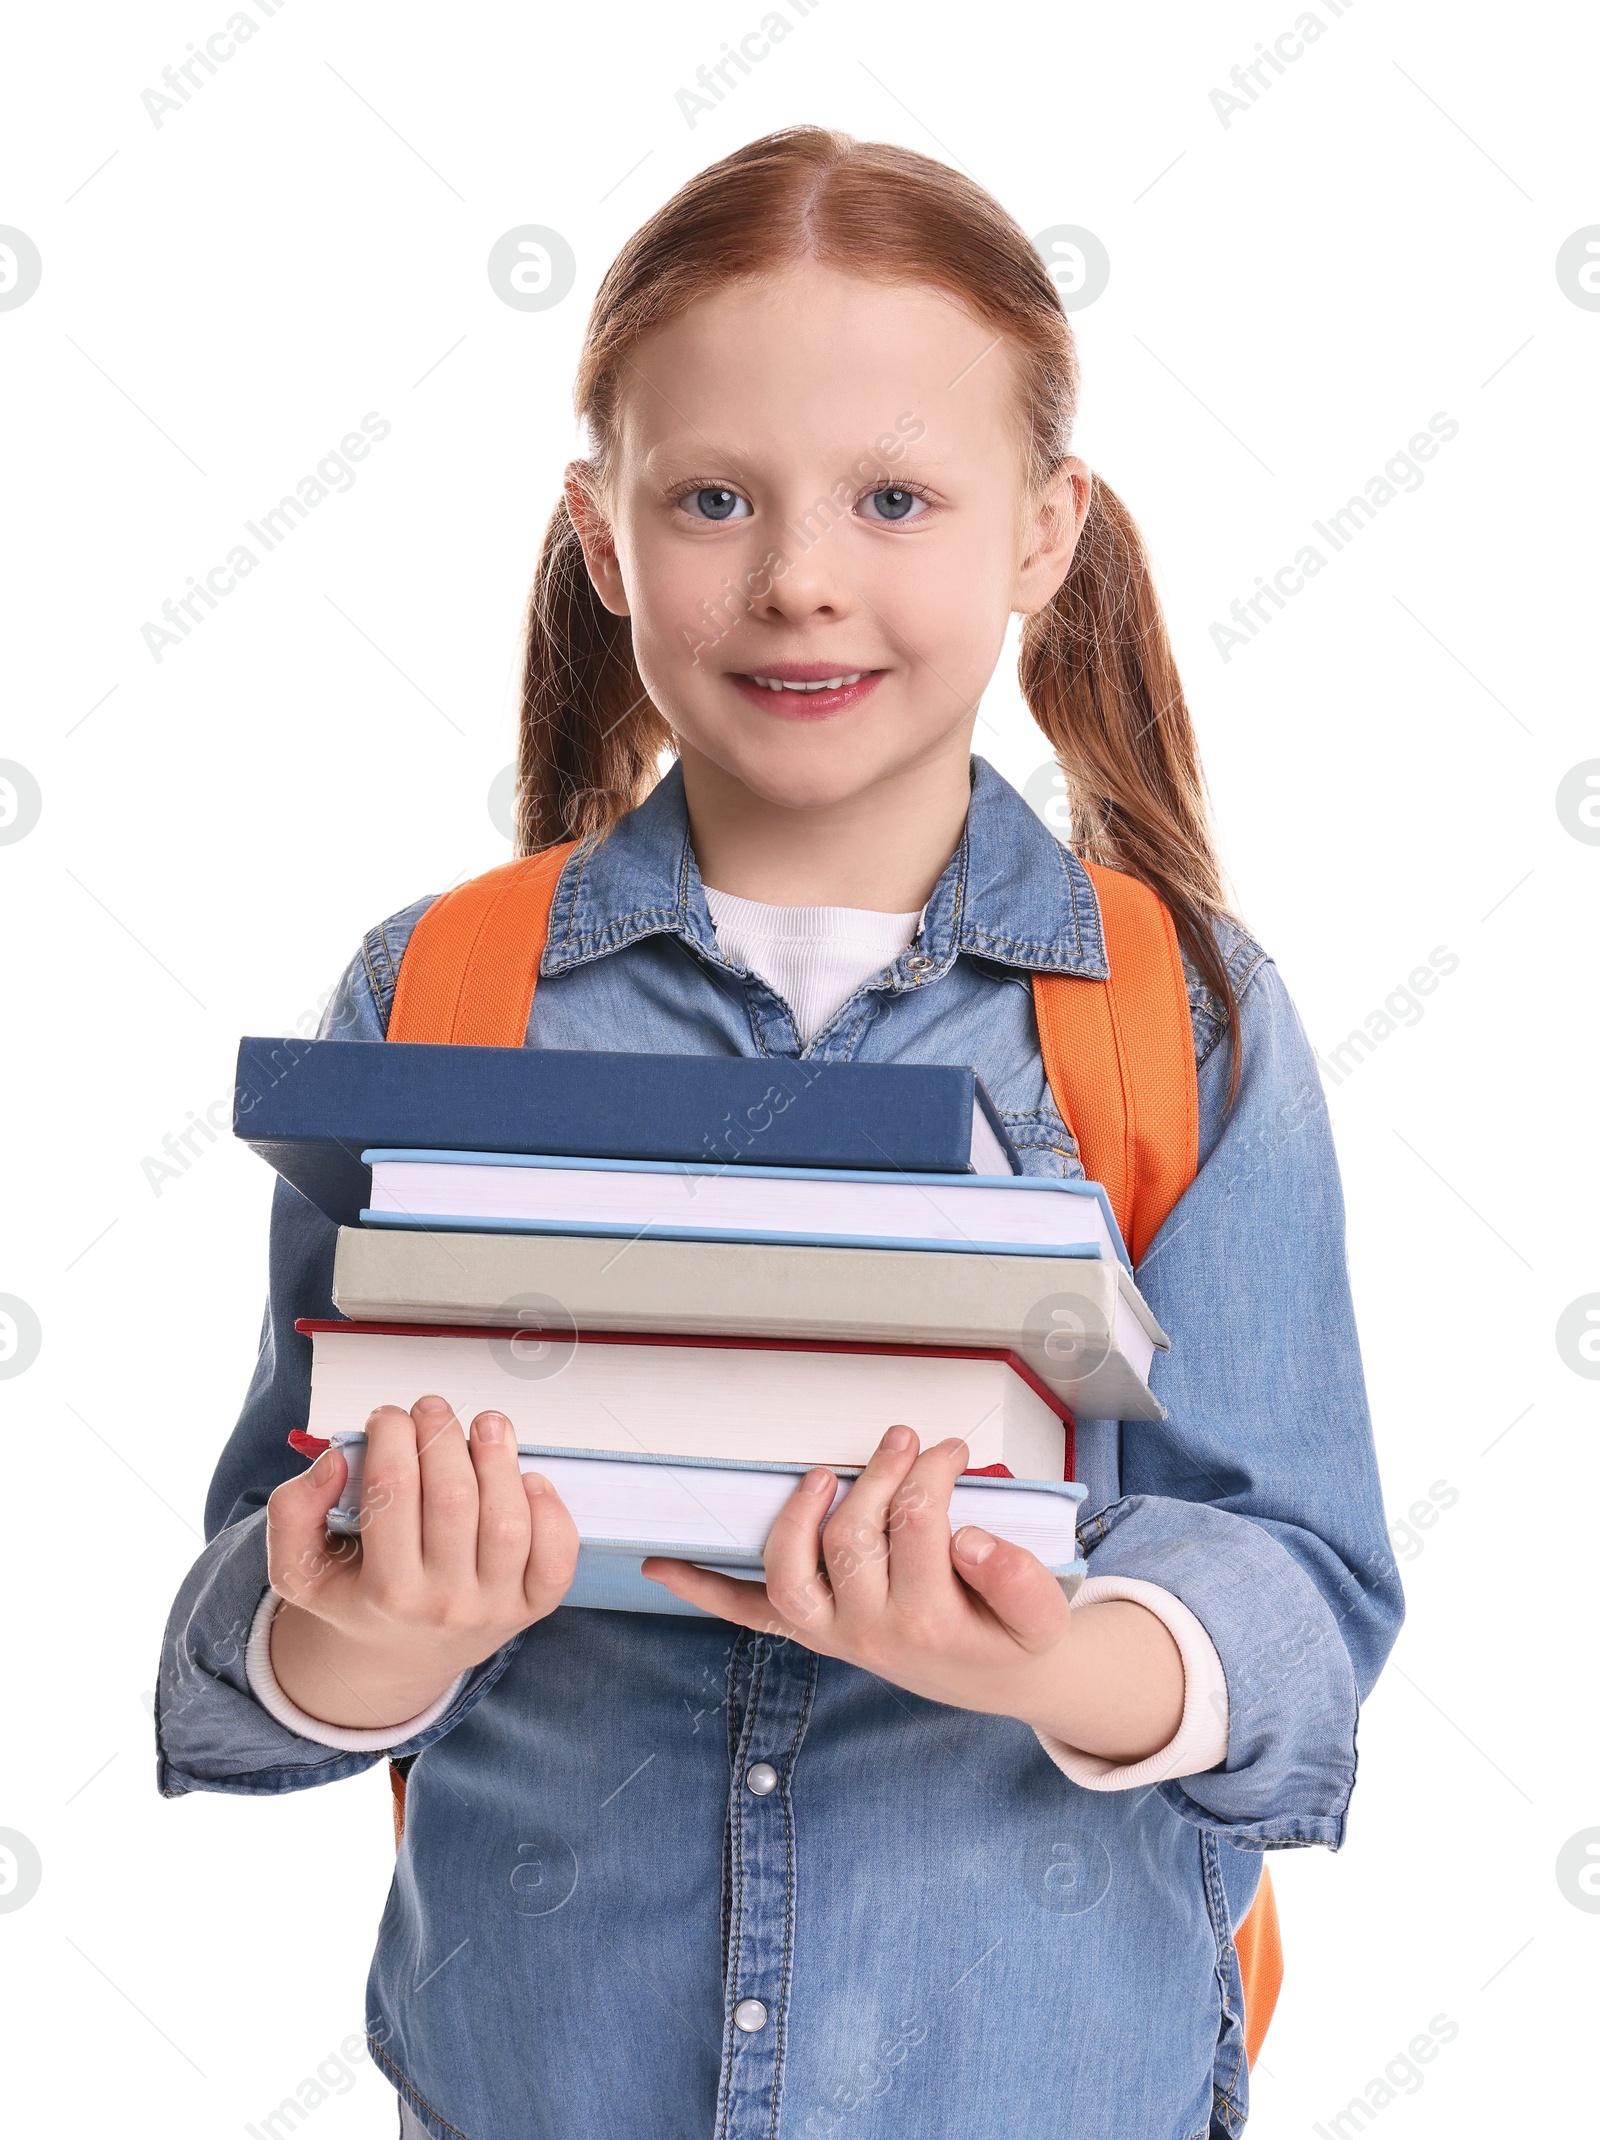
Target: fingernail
{"x":899,"y":1438}
{"x":818,"y":1481}
{"x":536,"y":1482}
{"x":490,"y":1426}
{"x":973,"y":1544}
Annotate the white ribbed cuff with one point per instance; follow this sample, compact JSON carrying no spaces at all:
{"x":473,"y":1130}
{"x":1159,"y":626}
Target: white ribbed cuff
{"x":263,"y":1684}
{"x":1201,"y":1740}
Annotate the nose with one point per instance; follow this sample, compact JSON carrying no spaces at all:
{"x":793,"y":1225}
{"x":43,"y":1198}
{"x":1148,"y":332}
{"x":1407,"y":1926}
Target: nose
{"x":815,"y":581}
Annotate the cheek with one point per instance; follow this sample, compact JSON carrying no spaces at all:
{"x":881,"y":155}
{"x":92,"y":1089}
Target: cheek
{"x":947,"y":607}
{"x":678,"y":594}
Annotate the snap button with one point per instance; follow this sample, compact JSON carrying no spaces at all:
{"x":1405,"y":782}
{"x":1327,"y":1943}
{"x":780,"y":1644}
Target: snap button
{"x":750,"y":2016}
{"x":762,"y":1778}
{"x":919,"y":963}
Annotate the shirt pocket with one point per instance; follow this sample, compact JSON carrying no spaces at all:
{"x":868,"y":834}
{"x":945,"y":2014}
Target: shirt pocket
{"x":1045,"y":1145}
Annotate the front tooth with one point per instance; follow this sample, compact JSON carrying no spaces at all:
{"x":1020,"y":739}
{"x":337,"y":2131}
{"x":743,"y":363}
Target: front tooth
{"x":829,"y":683}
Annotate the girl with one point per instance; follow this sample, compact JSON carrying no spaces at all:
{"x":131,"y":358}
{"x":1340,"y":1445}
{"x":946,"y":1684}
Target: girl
{"x":916,"y":1848}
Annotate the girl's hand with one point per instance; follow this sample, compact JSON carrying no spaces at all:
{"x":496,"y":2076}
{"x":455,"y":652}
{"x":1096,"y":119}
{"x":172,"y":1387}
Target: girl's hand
{"x":458,"y":1552}
{"x":969,"y":1620}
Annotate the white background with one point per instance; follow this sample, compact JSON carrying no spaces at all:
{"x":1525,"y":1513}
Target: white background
{"x":1292,"y":296}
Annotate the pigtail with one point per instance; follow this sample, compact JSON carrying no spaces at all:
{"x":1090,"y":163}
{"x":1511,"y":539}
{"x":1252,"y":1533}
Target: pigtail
{"x":1098,"y":674}
{"x":589,"y":736}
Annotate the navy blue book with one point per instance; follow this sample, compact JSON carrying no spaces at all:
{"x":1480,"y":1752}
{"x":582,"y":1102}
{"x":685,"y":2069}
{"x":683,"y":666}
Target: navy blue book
{"x":310,"y":1108}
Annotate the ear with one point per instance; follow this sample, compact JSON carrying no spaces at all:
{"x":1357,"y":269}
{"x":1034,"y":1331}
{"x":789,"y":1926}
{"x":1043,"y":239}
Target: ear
{"x":594,"y":532}
{"x":1056,"y":517}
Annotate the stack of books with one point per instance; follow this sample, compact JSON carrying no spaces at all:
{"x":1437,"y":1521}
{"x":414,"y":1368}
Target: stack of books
{"x":687,"y":1279}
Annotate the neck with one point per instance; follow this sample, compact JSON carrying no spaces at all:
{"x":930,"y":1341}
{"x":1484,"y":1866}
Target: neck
{"x":883,"y":848}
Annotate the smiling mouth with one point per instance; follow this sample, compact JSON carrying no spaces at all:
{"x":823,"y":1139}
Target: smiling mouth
{"x":830,"y":683}
{"x":805,"y":690}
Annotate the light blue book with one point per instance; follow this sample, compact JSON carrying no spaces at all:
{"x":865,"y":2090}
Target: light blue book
{"x":717,"y":1512}
{"x":485,"y":1192}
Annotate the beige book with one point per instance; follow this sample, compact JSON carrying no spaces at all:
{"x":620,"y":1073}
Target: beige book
{"x":1078,"y":1322}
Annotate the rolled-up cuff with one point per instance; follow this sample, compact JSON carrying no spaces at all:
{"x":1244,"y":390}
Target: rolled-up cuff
{"x":1201,"y":1739}
{"x":1291,"y":1686}
{"x":264,"y":1686}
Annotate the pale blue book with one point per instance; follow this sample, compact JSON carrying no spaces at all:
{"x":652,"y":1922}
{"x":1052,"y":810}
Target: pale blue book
{"x":716,"y":1512}
{"x":984,"y":1214}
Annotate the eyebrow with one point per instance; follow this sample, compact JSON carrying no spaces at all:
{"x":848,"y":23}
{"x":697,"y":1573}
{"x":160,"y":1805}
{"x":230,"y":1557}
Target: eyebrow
{"x":692,"y":447}
{"x":684,"y":452}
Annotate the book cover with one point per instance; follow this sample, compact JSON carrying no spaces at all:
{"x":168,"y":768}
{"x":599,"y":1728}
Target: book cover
{"x":309,"y":1107}
{"x":976,"y":1213}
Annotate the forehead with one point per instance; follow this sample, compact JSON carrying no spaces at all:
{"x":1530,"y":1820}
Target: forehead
{"x":818,"y":358}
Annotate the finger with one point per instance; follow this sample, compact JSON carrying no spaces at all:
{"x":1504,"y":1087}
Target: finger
{"x":502,"y":1504}
{"x":299,"y":1557}
{"x":391,"y":1496}
{"x":919,"y":1519}
{"x":855,"y":1547}
{"x":552,"y":1546}
{"x":746,"y":1604}
{"x":1014,"y":1584}
{"x":793,"y":1555}
{"x":449,"y":1493}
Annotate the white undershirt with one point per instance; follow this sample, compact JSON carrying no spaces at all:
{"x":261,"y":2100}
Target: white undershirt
{"x":816,"y":958}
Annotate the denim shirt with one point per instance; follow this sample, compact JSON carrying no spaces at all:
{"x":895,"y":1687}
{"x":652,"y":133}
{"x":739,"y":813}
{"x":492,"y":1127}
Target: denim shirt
{"x":946,"y":1933}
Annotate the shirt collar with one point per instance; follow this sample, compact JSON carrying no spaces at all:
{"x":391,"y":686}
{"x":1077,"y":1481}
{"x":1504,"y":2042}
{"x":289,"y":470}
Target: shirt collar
{"x":1010,"y":893}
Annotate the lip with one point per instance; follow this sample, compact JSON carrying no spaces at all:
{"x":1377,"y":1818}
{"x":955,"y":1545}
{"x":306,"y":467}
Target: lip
{"x":805,"y":705}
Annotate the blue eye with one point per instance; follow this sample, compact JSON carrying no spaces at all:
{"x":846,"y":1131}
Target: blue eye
{"x":893,"y":503}
{"x":715,"y":503}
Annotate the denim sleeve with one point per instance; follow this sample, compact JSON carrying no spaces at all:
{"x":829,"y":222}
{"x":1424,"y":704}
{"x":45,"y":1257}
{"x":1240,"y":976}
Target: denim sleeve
{"x":211,"y":1733}
{"x":1256,"y":1501}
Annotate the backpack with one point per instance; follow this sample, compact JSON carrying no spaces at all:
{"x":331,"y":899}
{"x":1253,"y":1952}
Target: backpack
{"x":1119,"y":1055}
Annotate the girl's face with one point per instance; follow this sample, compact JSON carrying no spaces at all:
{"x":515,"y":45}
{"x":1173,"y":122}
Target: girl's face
{"x":819,"y":481}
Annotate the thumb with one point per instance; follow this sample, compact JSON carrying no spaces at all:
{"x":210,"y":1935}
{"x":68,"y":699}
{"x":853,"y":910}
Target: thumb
{"x":552,"y":1546}
{"x":1015,"y":1584}
{"x":300,"y":1554}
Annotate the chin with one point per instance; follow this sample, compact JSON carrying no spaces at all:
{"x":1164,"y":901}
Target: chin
{"x":804,"y":787}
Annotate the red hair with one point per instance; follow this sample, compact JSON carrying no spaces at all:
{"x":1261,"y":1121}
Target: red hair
{"x":1096,"y":666}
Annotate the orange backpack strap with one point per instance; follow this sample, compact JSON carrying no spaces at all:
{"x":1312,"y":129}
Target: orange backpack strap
{"x":1119,"y":1055}
{"x":472,"y":961}
{"x":1260,"y":1950}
